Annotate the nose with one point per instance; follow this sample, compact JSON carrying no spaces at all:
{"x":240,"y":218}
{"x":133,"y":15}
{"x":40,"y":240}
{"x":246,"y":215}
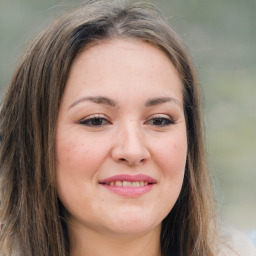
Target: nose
{"x":130,"y":146}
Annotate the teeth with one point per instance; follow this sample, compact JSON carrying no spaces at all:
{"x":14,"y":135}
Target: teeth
{"x":119,"y":183}
{"x":127,"y":183}
{"x":135,"y":184}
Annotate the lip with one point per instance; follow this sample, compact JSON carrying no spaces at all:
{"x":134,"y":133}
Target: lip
{"x":129,"y":191}
{"x":131,"y":178}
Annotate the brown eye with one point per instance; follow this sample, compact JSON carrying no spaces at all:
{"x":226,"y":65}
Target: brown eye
{"x":94,"y":121}
{"x":160,"y":121}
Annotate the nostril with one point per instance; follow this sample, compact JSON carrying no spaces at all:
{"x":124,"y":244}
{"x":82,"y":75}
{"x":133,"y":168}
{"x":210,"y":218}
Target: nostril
{"x":131,"y":163}
{"x":126,"y":161}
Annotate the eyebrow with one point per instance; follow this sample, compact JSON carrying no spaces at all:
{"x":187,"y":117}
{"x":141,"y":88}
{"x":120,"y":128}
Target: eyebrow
{"x":160,"y":100}
{"x":112,"y":103}
{"x":96,"y":99}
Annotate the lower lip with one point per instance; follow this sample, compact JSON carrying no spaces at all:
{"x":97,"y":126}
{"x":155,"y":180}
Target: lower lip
{"x":130,"y":191}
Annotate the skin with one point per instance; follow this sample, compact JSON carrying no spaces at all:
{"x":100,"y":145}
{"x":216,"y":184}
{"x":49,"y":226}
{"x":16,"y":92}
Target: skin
{"x":132,"y":137}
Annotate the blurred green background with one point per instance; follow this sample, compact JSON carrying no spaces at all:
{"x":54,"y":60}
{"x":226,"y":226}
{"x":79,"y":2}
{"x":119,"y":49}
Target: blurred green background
{"x":221,"y":37}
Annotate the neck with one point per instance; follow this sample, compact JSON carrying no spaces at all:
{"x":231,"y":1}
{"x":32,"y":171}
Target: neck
{"x":84,"y":242}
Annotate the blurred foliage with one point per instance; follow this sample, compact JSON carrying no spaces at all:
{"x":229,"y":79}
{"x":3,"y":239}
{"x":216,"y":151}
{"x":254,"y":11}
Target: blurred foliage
{"x":221,"y":37}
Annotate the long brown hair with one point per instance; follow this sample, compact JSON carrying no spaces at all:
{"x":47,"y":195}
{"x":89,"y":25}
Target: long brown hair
{"x":31,"y":217}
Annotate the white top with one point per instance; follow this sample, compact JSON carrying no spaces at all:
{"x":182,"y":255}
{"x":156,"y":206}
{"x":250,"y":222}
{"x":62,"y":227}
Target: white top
{"x":239,"y":243}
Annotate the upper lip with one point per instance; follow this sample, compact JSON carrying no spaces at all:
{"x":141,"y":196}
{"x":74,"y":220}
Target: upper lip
{"x":127,"y":177}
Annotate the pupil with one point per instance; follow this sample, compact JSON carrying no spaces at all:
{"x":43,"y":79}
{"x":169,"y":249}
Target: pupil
{"x":158,"y":122}
{"x":96,"y":121}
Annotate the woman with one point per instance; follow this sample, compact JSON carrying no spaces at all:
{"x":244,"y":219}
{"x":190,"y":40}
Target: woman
{"x":102,"y":150}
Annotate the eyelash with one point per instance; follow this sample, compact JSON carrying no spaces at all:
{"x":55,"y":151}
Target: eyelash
{"x":88,"y":121}
{"x":99,"y":121}
{"x":164,"y":121}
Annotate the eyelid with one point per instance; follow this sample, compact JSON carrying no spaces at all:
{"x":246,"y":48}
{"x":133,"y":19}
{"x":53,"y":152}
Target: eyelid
{"x":161,"y":116}
{"x":95,"y":116}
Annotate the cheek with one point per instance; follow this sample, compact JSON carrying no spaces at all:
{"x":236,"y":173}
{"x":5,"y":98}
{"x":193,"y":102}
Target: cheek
{"x":79,"y":154}
{"x":171,"y":157}
{"x":172,"y":154}
{"x":78,"y":160}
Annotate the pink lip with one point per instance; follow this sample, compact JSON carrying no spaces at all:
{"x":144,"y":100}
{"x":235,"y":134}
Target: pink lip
{"x":129,"y":191}
{"x":126,"y":177}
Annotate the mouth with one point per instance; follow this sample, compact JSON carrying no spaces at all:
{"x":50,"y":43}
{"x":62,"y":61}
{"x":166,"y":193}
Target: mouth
{"x":129,"y":185}
{"x":125,"y":183}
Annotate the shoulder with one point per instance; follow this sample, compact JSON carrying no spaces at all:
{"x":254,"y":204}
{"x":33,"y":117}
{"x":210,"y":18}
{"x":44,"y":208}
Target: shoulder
{"x":236,"y":243}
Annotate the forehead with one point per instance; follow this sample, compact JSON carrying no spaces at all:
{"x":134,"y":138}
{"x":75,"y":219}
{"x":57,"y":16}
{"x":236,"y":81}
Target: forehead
{"x":123,"y":67}
{"x":128,"y":52}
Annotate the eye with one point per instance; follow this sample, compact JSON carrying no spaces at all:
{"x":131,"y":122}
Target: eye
{"x":95,"y":121}
{"x":160,"y":121}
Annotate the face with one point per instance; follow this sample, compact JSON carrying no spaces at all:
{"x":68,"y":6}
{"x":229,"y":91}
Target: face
{"x":121,"y":141}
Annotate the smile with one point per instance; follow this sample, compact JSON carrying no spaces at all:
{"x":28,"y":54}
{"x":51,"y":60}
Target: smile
{"x":125,"y":183}
{"x":129,"y":185}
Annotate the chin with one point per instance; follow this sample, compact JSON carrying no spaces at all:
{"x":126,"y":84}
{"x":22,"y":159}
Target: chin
{"x":131,"y":223}
{"x":133,"y":230}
